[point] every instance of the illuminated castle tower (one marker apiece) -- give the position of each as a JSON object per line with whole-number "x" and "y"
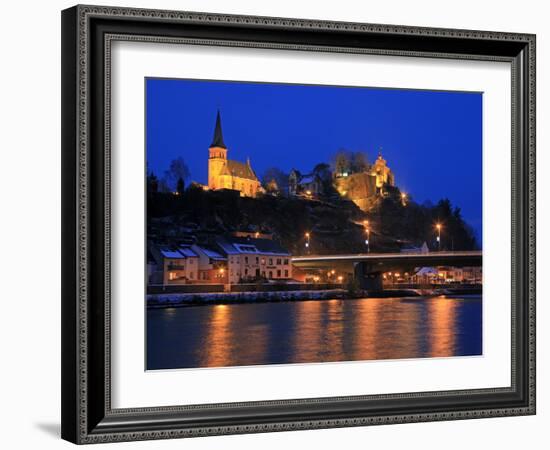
{"x": 363, "y": 188}
{"x": 224, "y": 173}
{"x": 380, "y": 170}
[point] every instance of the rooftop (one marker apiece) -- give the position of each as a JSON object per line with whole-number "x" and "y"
{"x": 233, "y": 245}
{"x": 238, "y": 169}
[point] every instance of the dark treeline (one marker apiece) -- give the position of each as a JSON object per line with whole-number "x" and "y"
{"x": 335, "y": 225}
{"x": 410, "y": 223}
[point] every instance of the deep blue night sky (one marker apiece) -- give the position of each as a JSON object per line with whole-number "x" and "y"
{"x": 432, "y": 140}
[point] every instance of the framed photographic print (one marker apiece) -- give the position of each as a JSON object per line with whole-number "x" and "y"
{"x": 282, "y": 224}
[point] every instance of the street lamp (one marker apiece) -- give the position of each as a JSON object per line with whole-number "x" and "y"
{"x": 438, "y": 227}
{"x": 307, "y": 242}
{"x": 403, "y": 198}
{"x": 367, "y": 231}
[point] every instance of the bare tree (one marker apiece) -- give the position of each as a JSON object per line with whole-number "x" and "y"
{"x": 280, "y": 177}
{"x": 345, "y": 161}
{"x": 152, "y": 182}
{"x": 180, "y": 186}
{"x": 342, "y": 162}
{"x": 359, "y": 162}
{"x": 177, "y": 169}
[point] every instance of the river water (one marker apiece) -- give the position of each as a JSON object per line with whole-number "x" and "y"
{"x": 313, "y": 331}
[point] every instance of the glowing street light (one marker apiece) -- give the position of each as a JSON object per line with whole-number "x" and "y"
{"x": 403, "y": 198}
{"x": 340, "y": 278}
{"x": 438, "y": 227}
{"x": 307, "y": 242}
{"x": 368, "y": 240}
{"x": 367, "y": 231}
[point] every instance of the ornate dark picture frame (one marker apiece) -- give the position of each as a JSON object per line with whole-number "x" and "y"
{"x": 87, "y": 33}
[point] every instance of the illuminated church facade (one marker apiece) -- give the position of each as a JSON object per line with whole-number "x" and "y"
{"x": 225, "y": 173}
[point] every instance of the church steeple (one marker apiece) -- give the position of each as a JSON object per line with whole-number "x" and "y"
{"x": 217, "y": 141}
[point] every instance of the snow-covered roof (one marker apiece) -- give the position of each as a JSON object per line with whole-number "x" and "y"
{"x": 187, "y": 252}
{"x": 420, "y": 248}
{"x": 239, "y": 245}
{"x": 227, "y": 247}
{"x": 246, "y": 248}
{"x": 170, "y": 253}
{"x": 212, "y": 254}
{"x": 309, "y": 178}
{"x": 427, "y": 271}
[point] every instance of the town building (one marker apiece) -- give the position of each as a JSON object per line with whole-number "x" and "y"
{"x": 473, "y": 275}
{"x": 174, "y": 265}
{"x": 307, "y": 185}
{"x": 212, "y": 265}
{"x": 226, "y": 260}
{"x": 442, "y": 275}
{"x": 415, "y": 248}
{"x": 250, "y": 259}
{"x": 225, "y": 173}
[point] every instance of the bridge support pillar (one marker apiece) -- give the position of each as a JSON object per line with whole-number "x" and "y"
{"x": 368, "y": 280}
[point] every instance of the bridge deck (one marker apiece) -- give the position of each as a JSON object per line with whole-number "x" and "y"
{"x": 386, "y": 261}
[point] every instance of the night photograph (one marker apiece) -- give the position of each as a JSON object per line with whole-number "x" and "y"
{"x": 295, "y": 223}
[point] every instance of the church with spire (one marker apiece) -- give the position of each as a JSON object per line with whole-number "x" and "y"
{"x": 225, "y": 173}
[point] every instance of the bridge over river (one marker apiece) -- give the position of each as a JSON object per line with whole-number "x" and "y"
{"x": 368, "y": 267}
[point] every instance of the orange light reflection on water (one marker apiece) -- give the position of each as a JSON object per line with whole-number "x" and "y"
{"x": 307, "y": 334}
{"x": 218, "y": 342}
{"x": 323, "y": 331}
{"x": 224, "y": 345}
{"x": 442, "y": 313}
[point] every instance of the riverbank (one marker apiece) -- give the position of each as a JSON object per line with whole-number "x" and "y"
{"x": 175, "y": 300}
{"x": 155, "y": 301}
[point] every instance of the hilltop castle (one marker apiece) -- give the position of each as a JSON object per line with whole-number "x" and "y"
{"x": 362, "y": 188}
{"x": 225, "y": 173}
